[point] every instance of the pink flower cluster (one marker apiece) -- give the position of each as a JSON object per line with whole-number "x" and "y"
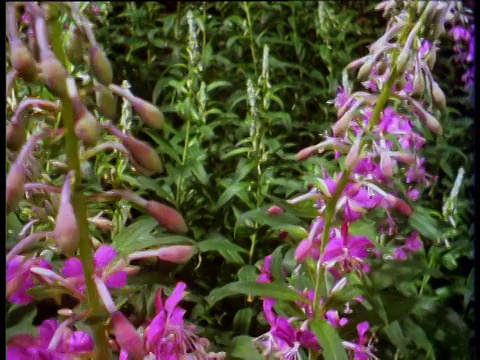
{"x": 465, "y": 51}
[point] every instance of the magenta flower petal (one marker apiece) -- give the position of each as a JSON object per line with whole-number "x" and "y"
{"x": 72, "y": 267}
{"x": 175, "y": 297}
{"x": 104, "y": 256}
{"x": 116, "y": 280}
{"x": 79, "y": 341}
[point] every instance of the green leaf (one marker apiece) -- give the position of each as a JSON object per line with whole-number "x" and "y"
{"x": 243, "y": 320}
{"x": 20, "y": 320}
{"x": 243, "y": 348}
{"x": 329, "y": 340}
{"x": 224, "y": 247}
{"x": 252, "y": 288}
{"x": 136, "y": 236}
{"x": 230, "y": 192}
{"x": 395, "y": 334}
{"x": 425, "y": 224}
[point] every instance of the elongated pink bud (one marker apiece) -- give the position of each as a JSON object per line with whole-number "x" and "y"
{"x": 400, "y": 205}
{"x": 74, "y": 49}
{"x": 106, "y": 102}
{"x": 87, "y": 126}
{"x": 429, "y": 120}
{"x": 101, "y": 67}
{"x": 15, "y": 135}
{"x": 22, "y": 60}
{"x": 343, "y": 123}
{"x": 15, "y": 186}
{"x": 275, "y": 210}
{"x": 149, "y": 113}
{"x": 177, "y": 254}
{"x": 168, "y": 217}
{"x": 386, "y": 165}
{"x": 55, "y": 75}
{"x": 306, "y": 153}
{"x": 353, "y": 155}
{"x": 127, "y": 336}
{"x": 403, "y": 157}
{"x": 438, "y": 96}
{"x": 66, "y": 228}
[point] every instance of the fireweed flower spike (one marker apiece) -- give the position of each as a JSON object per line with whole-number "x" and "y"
{"x": 398, "y": 67}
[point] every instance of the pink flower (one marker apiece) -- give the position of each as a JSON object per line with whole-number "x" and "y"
{"x": 168, "y": 336}
{"x": 412, "y": 242}
{"x": 48, "y": 347}
{"x": 399, "y": 254}
{"x": 348, "y": 251}
{"x": 105, "y": 254}
{"x": 20, "y": 279}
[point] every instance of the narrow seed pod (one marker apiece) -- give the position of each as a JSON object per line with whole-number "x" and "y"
{"x": 166, "y": 216}
{"x": 438, "y": 96}
{"x": 306, "y": 153}
{"x": 106, "y": 102}
{"x": 126, "y": 335}
{"x": 66, "y": 230}
{"x": 75, "y": 46}
{"x": 15, "y": 186}
{"x": 149, "y": 113}
{"x": 101, "y": 67}
{"x": 177, "y": 254}
{"x": 15, "y": 135}
{"x": 55, "y": 75}
{"x": 22, "y": 60}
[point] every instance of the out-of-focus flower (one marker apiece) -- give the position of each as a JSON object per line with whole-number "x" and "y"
{"x": 20, "y": 279}
{"x": 104, "y": 255}
{"x": 48, "y": 346}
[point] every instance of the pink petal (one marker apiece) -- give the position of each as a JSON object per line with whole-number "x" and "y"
{"x": 175, "y": 297}
{"x": 116, "y": 280}
{"x": 104, "y": 256}
{"x": 72, "y": 267}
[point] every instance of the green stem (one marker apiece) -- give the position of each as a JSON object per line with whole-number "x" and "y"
{"x": 80, "y": 209}
{"x": 250, "y": 31}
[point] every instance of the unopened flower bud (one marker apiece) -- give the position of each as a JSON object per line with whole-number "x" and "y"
{"x": 101, "y": 67}
{"x": 15, "y": 135}
{"x": 74, "y": 49}
{"x": 353, "y": 154}
{"x": 429, "y": 120}
{"x": 126, "y": 335}
{"x": 431, "y": 58}
{"x": 365, "y": 70}
{"x": 149, "y": 113}
{"x": 381, "y": 67}
{"x": 15, "y": 186}
{"x": 168, "y": 217}
{"x": 107, "y": 103}
{"x": 22, "y": 60}
{"x": 403, "y": 157}
{"x": 343, "y": 123}
{"x": 386, "y": 165}
{"x": 55, "y": 75}
{"x": 438, "y": 96}
{"x": 306, "y": 153}
{"x": 142, "y": 154}
{"x": 87, "y": 127}
{"x": 177, "y": 254}
{"x": 402, "y": 60}
{"x": 66, "y": 228}
{"x": 418, "y": 83}
{"x": 400, "y": 205}
{"x": 275, "y": 210}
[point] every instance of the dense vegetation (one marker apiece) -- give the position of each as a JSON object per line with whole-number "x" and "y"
{"x": 245, "y": 86}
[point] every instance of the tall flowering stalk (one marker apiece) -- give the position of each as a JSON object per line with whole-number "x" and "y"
{"x": 88, "y": 269}
{"x": 377, "y": 141}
